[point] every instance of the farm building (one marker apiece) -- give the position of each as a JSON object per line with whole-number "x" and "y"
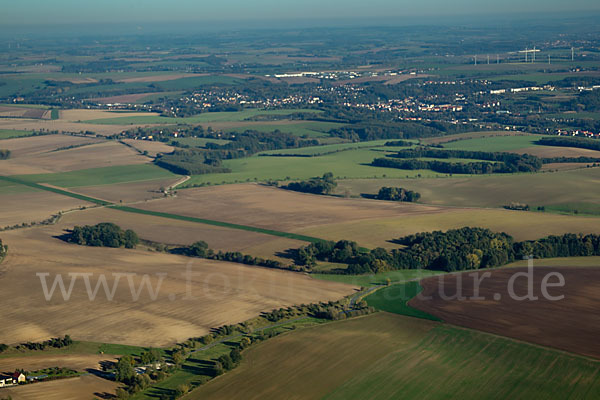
{"x": 5, "y": 380}
{"x": 18, "y": 377}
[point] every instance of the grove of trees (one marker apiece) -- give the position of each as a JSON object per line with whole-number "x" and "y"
{"x": 104, "y": 234}
{"x": 4, "y": 154}
{"x": 397, "y": 194}
{"x": 323, "y": 185}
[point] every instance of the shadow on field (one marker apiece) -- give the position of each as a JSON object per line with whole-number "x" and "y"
{"x": 65, "y": 236}
{"x": 104, "y": 395}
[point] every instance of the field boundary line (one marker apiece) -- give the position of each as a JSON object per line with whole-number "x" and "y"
{"x": 287, "y": 235}
{"x": 222, "y": 224}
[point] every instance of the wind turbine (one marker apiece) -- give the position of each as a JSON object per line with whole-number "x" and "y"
{"x": 532, "y": 51}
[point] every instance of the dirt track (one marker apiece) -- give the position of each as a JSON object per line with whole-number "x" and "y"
{"x": 571, "y": 324}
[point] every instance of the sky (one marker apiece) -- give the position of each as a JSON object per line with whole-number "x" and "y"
{"x": 35, "y": 12}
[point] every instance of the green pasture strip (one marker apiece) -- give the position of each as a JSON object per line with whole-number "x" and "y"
{"x": 395, "y": 299}
{"x": 55, "y": 190}
{"x": 287, "y": 235}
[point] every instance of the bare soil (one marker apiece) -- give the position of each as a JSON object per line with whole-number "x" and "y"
{"x": 571, "y": 324}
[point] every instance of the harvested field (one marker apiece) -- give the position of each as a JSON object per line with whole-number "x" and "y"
{"x": 98, "y": 155}
{"x": 217, "y": 293}
{"x": 29, "y": 146}
{"x": 128, "y": 192}
{"x": 77, "y": 80}
{"x": 386, "y": 79}
{"x": 570, "y": 324}
{"x": 123, "y": 99}
{"x": 521, "y": 225}
{"x": 33, "y": 206}
{"x": 64, "y": 126}
{"x": 383, "y": 356}
{"x": 555, "y": 151}
{"x": 78, "y": 362}
{"x": 564, "y": 166}
{"x": 272, "y": 208}
{"x": 84, "y": 114}
{"x": 469, "y": 135}
{"x": 570, "y": 189}
{"x": 171, "y": 231}
{"x": 153, "y": 148}
{"x": 16, "y": 112}
{"x": 160, "y": 78}
{"x": 84, "y": 387}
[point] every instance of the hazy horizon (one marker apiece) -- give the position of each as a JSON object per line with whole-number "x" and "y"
{"x": 40, "y": 12}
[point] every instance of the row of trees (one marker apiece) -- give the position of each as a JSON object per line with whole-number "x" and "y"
{"x": 454, "y": 250}
{"x": 201, "y": 249}
{"x": 472, "y": 168}
{"x": 323, "y": 185}
{"x": 4, "y": 154}
{"x": 57, "y": 343}
{"x": 397, "y": 194}
{"x": 569, "y": 141}
{"x": 492, "y": 162}
{"x": 104, "y": 234}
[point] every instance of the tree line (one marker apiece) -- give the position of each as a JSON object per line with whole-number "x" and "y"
{"x": 200, "y": 249}
{"x": 454, "y": 250}
{"x": 570, "y": 141}
{"x": 104, "y": 234}
{"x": 494, "y": 162}
{"x": 322, "y": 185}
{"x": 57, "y": 343}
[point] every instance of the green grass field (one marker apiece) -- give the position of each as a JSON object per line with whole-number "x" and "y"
{"x": 578, "y": 115}
{"x": 328, "y": 148}
{"x": 495, "y": 143}
{"x": 196, "y": 369}
{"x": 224, "y": 116}
{"x": 19, "y": 105}
{"x": 346, "y": 164}
{"x": 386, "y": 356}
{"x": 377, "y": 279}
{"x": 10, "y": 133}
{"x": 394, "y": 298}
{"x": 54, "y": 114}
{"x": 78, "y": 348}
{"x": 312, "y": 129}
{"x": 101, "y": 176}
{"x": 199, "y": 142}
